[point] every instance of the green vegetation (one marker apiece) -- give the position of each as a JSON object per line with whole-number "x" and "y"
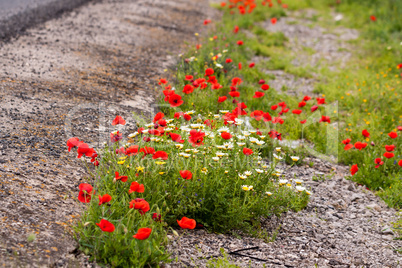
{"x": 230, "y": 187}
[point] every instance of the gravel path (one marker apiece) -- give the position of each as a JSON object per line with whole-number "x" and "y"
{"x": 70, "y": 77}
{"x": 344, "y": 225}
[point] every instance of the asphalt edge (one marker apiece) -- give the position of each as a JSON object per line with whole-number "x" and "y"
{"x": 19, "y": 23}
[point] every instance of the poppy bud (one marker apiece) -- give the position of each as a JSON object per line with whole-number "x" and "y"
{"x": 175, "y": 233}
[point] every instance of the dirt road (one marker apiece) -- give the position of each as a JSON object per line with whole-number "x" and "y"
{"x": 64, "y": 78}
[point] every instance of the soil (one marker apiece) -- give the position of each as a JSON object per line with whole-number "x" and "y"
{"x": 70, "y": 77}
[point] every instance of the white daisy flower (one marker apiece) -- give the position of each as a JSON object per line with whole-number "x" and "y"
{"x": 223, "y": 129}
{"x": 295, "y": 158}
{"x": 300, "y": 188}
{"x": 248, "y": 173}
{"x": 242, "y": 176}
{"x": 283, "y": 182}
{"x": 179, "y": 145}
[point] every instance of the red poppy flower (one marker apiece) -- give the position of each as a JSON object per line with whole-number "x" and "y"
{"x": 251, "y": 65}
{"x": 162, "y": 81}
{"x": 85, "y": 193}
{"x": 147, "y": 150}
{"x": 234, "y": 94}
{"x": 236, "y": 81}
{"x": 296, "y": 111}
{"x": 175, "y": 100}
{"x": 186, "y": 174}
{"x": 282, "y": 104}
{"x": 72, "y": 142}
{"x": 390, "y": 148}
{"x": 247, "y": 151}
{"x": 275, "y": 135}
{"x": 393, "y": 135}
{"x": 209, "y": 72}
{"x": 365, "y": 133}
{"x": 399, "y": 128}
{"x": 118, "y": 120}
{"x": 136, "y": 187}
{"x": 140, "y": 204}
{"x": 222, "y": 99}
{"x": 187, "y": 117}
{"x": 216, "y": 86}
{"x": 379, "y": 162}
{"x": 240, "y": 42}
{"x": 257, "y": 115}
{"x": 178, "y": 114}
{"x": 360, "y": 145}
{"x": 240, "y": 65}
{"x": 325, "y": 119}
{"x": 321, "y": 101}
{"x": 176, "y": 137}
{"x": 160, "y": 154}
{"x": 307, "y": 98}
{"x": 196, "y": 138}
{"x": 188, "y": 89}
{"x": 277, "y": 120}
{"x": 158, "y": 116}
{"x": 400, "y": 163}
{"x": 106, "y": 226}
{"x": 258, "y": 94}
{"x": 261, "y": 82}
{"x": 104, "y": 199}
{"x": 132, "y": 150}
{"x": 168, "y": 93}
{"x": 274, "y": 20}
{"x": 188, "y": 77}
{"x": 348, "y": 147}
{"x": 236, "y": 29}
{"x": 208, "y": 122}
{"x": 118, "y": 177}
{"x": 157, "y": 217}
{"x": 143, "y": 233}
{"x": 83, "y": 149}
{"x": 154, "y": 132}
{"x": 229, "y": 60}
{"x": 302, "y": 104}
{"x": 373, "y": 18}
{"x": 388, "y": 155}
{"x": 347, "y": 141}
{"x": 207, "y": 22}
{"x": 354, "y": 169}
{"x": 314, "y": 108}
{"x": 226, "y": 135}
{"x": 303, "y": 121}
{"x": 187, "y": 223}
{"x": 162, "y": 122}
{"x": 267, "y": 117}
{"x": 274, "y": 107}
